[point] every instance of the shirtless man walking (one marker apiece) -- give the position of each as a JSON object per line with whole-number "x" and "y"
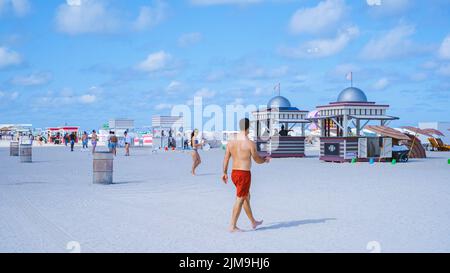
{"x": 242, "y": 150}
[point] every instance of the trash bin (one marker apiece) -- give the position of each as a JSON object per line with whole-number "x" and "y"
{"x": 14, "y": 148}
{"x": 103, "y": 168}
{"x": 25, "y": 153}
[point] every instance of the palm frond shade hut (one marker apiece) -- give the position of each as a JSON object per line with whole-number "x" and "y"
{"x": 342, "y": 123}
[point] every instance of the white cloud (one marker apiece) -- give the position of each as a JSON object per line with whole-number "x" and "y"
{"x": 99, "y": 16}
{"x": 392, "y": 44}
{"x": 174, "y": 86}
{"x": 163, "y": 106}
{"x": 320, "y": 48}
{"x": 9, "y": 57}
{"x": 216, "y": 75}
{"x": 224, "y": 2}
{"x": 32, "y": 79}
{"x": 66, "y": 97}
{"x": 189, "y": 39}
{"x": 157, "y": 61}
{"x": 74, "y": 2}
{"x": 253, "y": 71}
{"x": 324, "y": 16}
{"x": 87, "y": 99}
{"x": 150, "y": 16}
{"x": 373, "y": 2}
{"x": 237, "y": 101}
{"x": 205, "y": 93}
{"x": 86, "y": 16}
{"x": 444, "y": 70}
{"x": 20, "y": 8}
{"x": 11, "y": 96}
{"x": 418, "y": 76}
{"x": 444, "y": 50}
{"x": 381, "y": 84}
{"x": 429, "y": 65}
{"x": 388, "y": 7}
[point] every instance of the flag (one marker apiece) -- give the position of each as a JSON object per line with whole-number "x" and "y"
{"x": 277, "y": 88}
{"x": 349, "y": 76}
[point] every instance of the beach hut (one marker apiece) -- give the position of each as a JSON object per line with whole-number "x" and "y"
{"x": 342, "y": 124}
{"x": 274, "y": 125}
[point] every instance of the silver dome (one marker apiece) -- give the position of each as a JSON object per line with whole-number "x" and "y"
{"x": 352, "y": 94}
{"x": 279, "y": 102}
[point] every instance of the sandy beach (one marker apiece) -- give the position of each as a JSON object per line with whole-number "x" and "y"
{"x": 156, "y": 206}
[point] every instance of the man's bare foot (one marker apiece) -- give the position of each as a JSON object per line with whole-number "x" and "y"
{"x": 235, "y": 229}
{"x": 256, "y": 224}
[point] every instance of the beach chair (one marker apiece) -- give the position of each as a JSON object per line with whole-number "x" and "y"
{"x": 442, "y": 146}
{"x": 434, "y": 144}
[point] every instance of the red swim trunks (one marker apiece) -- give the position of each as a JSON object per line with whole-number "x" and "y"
{"x": 242, "y": 181}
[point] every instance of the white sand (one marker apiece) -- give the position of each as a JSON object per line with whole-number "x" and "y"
{"x": 156, "y": 206}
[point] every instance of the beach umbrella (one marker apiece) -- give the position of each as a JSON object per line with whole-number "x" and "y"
{"x": 417, "y": 131}
{"x": 413, "y": 149}
{"x": 432, "y": 131}
{"x": 387, "y": 131}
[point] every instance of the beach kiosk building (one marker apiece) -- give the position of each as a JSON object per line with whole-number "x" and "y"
{"x": 269, "y": 122}
{"x": 342, "y": 123}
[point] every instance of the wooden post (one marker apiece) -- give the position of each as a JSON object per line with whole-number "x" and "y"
{"x": 412, "y": 146}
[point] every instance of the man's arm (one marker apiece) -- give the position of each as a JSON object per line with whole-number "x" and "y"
{"x": 226, "y": 161}
{"x": 256, "y": 157}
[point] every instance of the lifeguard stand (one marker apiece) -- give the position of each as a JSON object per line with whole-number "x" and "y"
{"x": 268, "y": 125}
{"x": 341, "y": 125}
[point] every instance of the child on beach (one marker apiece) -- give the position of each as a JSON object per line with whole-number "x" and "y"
{"x": 241, "y": 149}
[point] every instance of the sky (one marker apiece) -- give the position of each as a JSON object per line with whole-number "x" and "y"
{"x": 83, "y": 62}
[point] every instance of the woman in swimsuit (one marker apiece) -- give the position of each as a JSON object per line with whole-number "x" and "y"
{"x": 195, "y": 155}
{"x": 94, "y": 139}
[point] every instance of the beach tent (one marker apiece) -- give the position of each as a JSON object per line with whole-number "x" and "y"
{"x": 413, "y": 143}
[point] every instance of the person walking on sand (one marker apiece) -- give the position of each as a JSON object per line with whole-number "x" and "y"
{"x": 72, "y": 138}
{"x": 196, "y": 160}
{"x": 84, "y": 140}
{"x": 127, "y": 139}
{"x": 241, "y": 150}
{"x": 94, "y": 139}
{"x": 113, "y": 140}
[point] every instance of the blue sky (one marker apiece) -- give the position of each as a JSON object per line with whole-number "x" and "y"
{"x": 82, "y": 62}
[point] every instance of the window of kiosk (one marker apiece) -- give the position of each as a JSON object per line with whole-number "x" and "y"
{"x": 373, "y": 147}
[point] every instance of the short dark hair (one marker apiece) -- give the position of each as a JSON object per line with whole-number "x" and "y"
{"x": 244, "y": 124}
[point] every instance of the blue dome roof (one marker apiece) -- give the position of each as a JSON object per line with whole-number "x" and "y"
{"x": 279, "y": 102}
{"x": 352, "y": 94}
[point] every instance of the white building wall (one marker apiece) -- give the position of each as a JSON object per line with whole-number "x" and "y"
{"x": 441, "y": 126}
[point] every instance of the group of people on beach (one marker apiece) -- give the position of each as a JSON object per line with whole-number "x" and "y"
{"x": 241, "y": 150}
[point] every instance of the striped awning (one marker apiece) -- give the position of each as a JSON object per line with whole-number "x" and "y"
{"x": 417, "y": 130}
{"x": 433, "y": 132}
{"x": 387, "y": 131}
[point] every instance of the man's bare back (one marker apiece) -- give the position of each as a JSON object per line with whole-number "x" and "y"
{"x": 242, "y": 150}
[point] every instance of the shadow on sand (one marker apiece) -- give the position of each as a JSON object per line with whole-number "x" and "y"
{"x": 128, "y": 182}
{"x": 208, "y": 174}
{"x": 291, "y": 224}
